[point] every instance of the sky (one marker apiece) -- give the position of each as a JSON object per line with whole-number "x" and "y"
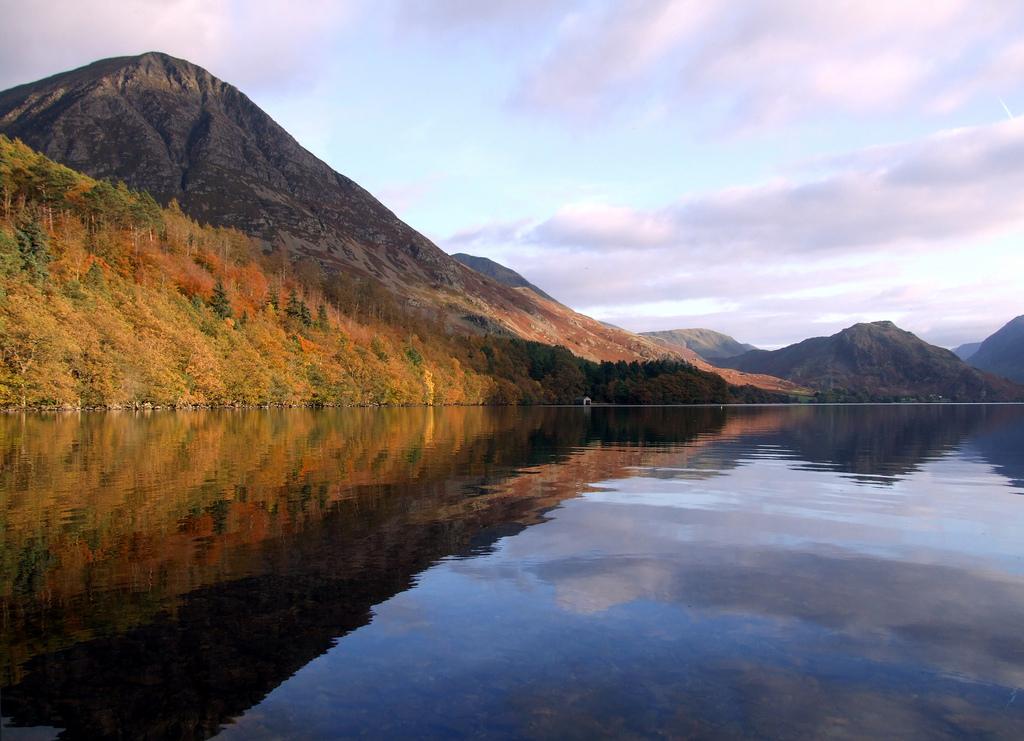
{"x": 773, "y": 170}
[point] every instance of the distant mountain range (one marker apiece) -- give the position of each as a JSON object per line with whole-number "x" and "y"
{"x": 965, "y": 351}
{"x": 709, "y": 344}
{"x": 505, "y": 276}
{"x": 878, "y": 360}
{"x": 1003, "y": 352}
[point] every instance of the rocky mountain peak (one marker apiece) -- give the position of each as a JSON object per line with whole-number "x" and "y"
{"x": 170, "y": 127}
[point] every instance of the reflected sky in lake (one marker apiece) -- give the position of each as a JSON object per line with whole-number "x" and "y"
{"x": 774, "y": 572}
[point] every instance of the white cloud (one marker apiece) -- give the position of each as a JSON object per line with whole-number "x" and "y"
{"x": 448, "y": 14}
{"x": 770, "y": 61}
{"x": 488, "y": 235}
{"x": 600, "y": 50}
{"x": 598, "y": 224}
{"x": 964, "y": 183}
{"x": 255, "y": 45}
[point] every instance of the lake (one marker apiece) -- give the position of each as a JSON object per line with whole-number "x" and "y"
{"x": 773, "y": 572}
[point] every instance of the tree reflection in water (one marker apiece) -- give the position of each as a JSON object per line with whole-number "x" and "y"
{"x": 162, "y": 572}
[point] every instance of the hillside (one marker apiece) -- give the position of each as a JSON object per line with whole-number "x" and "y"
{"x": 878, "y": 361}
{"x": 505, "y": 276}
{"x": 966, "y": 350}
{"x": 707, "y": 343}
{"x": 674, "y": 350}
{"x": 107, "y": 299}
{"x": 170, "y": 128}
{"x": 1003, "y": 352}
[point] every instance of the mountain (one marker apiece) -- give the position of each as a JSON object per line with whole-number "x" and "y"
{"x": 965, "y": 351}
{"x": 109, "y": 300}
{"x": 878, "y": 361}
{"x": 169, "y": 127}
{"x": 497, "y": 271}
{"x": 1003, "y": 352}
{"x": 707, "y": 343}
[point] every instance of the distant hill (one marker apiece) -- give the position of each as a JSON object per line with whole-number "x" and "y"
{"x": 707, "y": 343}
{"x": 1003, "y": 352}
{"x": 965, "y": 351}
{"x": 705, "y": 338}
{"x": 878, "y": 361}
{"x": 497, "y": 271}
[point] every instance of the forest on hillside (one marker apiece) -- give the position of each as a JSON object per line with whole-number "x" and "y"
{"x": 109, "y": 300}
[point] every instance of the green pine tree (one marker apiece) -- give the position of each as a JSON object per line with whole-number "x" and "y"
{"x": 94, "y": 277}
{"x": 34, "y": 247}
{"x": 294, "y": 307}
{"x": 10, "y": 254}
{"x": 219, "y": 301}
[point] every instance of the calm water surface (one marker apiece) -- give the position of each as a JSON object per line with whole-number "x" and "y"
{"x": 769, "y": 572}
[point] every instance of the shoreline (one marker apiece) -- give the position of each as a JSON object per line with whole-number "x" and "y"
{"x": 278, "y": 406}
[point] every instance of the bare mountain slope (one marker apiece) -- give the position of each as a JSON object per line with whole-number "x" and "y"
{"x": 497, "y": 271}
{"x": 709, "y": 344}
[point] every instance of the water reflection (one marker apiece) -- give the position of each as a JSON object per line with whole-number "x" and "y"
{"x": 768, "y": 571}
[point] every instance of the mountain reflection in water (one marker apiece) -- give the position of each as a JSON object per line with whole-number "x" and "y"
{"x": 772, "y": 571}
